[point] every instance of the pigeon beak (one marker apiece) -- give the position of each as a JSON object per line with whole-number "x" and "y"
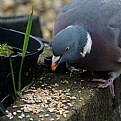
{"x": 55, "y": 62}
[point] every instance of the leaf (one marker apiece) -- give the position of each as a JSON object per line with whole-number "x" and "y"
{"x": 25, "y": 45}
{"x": 28, "y": 30}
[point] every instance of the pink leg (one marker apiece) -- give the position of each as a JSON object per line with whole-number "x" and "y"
{"x": 106, "y": 83}
{"x": 109, "y": 82}
{"x": 111, "y": 87}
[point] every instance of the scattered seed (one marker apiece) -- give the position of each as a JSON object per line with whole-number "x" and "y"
{"x": 58, "y": 119}
{"x": 70, "y": 104}
{"x": 14, "y": 113}
{"x": 7, "y": 111}
{"x": 65, "y": 82}
{"x": 9, "y": 114}
{"x": 11, "y": 117}
{"x": 46, "y": 106}
{"x": 46, "y": 115}
{"x": 51, "y": 109}
{"x": 64, "y": 101}
{"x": 26, "y": 111}
{"x": 23, "y": 115}
{"x": 72, "y": 98}
{"x": 22, "y": 108}
{"x": 64, "y": 115}
{"x": 14, "y": 106}
{"x": 19, "y": 111}
{"x": 65, "y": 108}
{"x": 52, "y": 119}
{"x": 41, "y": 100}
{"x": 41, "y": 116}
{"x": 28, "y": 116}
{"x": 31, "y": 119}
{"x": 66, "y": 112}
{"x": 20, "y": 117}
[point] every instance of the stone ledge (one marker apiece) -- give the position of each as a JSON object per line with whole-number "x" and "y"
{"x": 96, "y": 106}
{"x": 90, "y": 104}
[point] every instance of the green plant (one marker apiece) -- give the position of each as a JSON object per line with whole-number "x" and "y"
{"x": 24, "y": 50}
{"x": 25, "y": 45}
{"x": 5, "y": 50}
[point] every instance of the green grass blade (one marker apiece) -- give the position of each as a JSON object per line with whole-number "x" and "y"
{"x": 28, "y": 30}
{"x": 5, "y": 98}
{"x": 25, "y": 45}
{"x": 27, "y": 86}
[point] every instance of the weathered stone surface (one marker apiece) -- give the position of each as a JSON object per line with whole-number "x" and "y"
{"x": 65, "y": 97}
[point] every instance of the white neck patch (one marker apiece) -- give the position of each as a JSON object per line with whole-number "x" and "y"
{"x": 69, "y": 26}
{"x": 87, "y": 47}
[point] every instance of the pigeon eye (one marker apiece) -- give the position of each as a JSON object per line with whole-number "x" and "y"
{"x": 67, "y": 48}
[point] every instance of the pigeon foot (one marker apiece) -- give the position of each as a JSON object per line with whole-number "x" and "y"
{"x": 105, "y": 84}
{"x": 108, "y": 83}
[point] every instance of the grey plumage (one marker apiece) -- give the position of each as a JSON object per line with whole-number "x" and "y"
{"x": 87, "y": 35}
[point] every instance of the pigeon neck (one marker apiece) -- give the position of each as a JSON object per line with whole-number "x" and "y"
{"x": 86, "y": 25}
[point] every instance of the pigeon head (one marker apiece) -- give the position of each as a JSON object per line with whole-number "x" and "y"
{"x": 70, "y": 44}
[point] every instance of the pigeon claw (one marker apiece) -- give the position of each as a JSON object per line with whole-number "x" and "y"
{"x": 105, "y": 84}
{"x": 111, "y": 87}
{"x": 100, "y": 80}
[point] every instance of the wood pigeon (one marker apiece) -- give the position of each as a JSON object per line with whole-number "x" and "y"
{"x": 87, "y": 36}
